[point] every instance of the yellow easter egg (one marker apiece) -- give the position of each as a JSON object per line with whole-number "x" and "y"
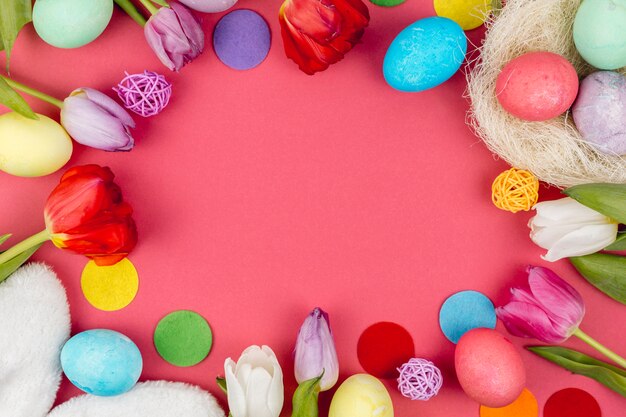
{"x": 361, "y": 395}
{"x": 469, "y": 14}
{"x": 32, "y": 148}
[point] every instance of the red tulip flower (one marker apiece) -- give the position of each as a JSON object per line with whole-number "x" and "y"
{"x": 318, "y": 33}
{"x": 85, "y": 214}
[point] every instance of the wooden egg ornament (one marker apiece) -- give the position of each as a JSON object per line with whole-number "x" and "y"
{"x": 600, "y": 33}
{"x": 469, "y": 14}
{"x": 425, "y": 54}
{"x": 71, "y": 23}
{"x": 537, "y": 86}
{"x": 32, "y": 148}
{"x": 361, "y": 395}
{"x": 489, "y": 368}
{"x": 599, "y": 112}
{"x": 101, "y": 362}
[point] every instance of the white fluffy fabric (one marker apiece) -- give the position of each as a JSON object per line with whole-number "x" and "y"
{"x": 147, "y": 399}
{"x": 34, "y": 325}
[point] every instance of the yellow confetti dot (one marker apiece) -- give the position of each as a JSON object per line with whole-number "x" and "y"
{"x": 524, "y": 406}
{"x": 110, "y": 288}
{"x": 469, "y": 14}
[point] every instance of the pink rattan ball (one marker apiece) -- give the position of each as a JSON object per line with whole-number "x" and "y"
{"x": 145, "y": 94}
{"x": 419, "y": 379}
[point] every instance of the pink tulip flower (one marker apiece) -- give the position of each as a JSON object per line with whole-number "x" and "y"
{"x": 550, "y": 312}
{"x": 174, "y": 35}
{"x": 94, "y": 119}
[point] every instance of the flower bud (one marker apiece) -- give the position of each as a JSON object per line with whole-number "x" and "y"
{"x": 315, "y": 351}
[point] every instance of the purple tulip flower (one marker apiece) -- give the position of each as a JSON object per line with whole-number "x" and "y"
{"x": 550, "y": 312}
{"x": 175, "y": 36}
{"x": 315, "y": 351}
{"x": 94, "y": 119}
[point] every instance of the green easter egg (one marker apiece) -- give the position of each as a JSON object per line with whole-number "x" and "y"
{"x": 599, "y": 33}
{"x": 71, "y": 23}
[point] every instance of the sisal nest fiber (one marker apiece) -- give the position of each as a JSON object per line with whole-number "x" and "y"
{"x": 553, "y": 150}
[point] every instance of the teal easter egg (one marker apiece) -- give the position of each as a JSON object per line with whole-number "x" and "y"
{"x": 600, "y": 33}
{"x": 425, "y": 54}
{"x": 101, "y": 362}
{"x": 71, "y": 23}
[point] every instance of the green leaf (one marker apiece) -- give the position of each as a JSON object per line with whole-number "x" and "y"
{"x": 221, "y": 382}
{"x": 15, "y": 14}
{"x": 608, "y": 375}
{"x": 4, "y": 238}
{"x": 604, "y": 271}
{"x": 11, "y": 265}
{"x": 10, "y": 98}
{"x": 161, "y": 3}
{"x": 305, "y": 398}
{"x": 619, "y": 244}
{"x": 608, "y": 199}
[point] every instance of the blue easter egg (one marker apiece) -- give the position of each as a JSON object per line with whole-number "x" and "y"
{"x": 101, "y": 362}
{"x": 425, "y": 54}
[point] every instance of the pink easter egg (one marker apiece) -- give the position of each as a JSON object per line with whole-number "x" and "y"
{"x": 537, "y": 86}
{"x": 489, "y": 368}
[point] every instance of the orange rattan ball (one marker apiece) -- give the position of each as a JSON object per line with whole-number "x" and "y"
{"x": 515, "y": 190}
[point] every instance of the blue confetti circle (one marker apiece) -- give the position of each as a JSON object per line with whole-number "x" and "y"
{"x": 464, "y": 311}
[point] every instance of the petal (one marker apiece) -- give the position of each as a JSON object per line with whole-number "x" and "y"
{"x": 584, "y": 241}
{"x": 109, "y": 105}
{"x": 566, "y": 211}
{"x": 546, "y": 237}
{"x": 236, "y": 395}
{"x": 257, "y": 393}
{"x": 191, "y": 28}
{"x": 563, "y": 303}
{"x": 255, "y": 357}
{"x": 527, "y": 320}
{"x": 155, "y": 42}
{"x": 276, "y": 395}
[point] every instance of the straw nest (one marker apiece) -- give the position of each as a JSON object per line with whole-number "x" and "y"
{"x": 552, "y": 150}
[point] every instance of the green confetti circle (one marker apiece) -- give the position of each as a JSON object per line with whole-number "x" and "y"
{"x": 183, "y": 338}
{"x": 387, "y": 3}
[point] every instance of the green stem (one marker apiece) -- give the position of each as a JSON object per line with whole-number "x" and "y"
{"x": 132, "y": 11}
{"x": 600, "y": 348}
{"x": 25, "y": 244}
{"x": 149, "y": 6}
{"x": 32, "y": 92}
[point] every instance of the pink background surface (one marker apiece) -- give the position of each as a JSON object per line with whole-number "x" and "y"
{"x": 262, "y": 194}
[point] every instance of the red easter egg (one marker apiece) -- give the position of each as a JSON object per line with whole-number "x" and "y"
{"x": 537, "y": 86}
{"x": 489, "y": 368}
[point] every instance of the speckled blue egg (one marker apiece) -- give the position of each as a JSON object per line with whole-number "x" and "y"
{"x": 425, "y": 54}
{"x": 101, "y": 362}
{"x": 71, "y": 23}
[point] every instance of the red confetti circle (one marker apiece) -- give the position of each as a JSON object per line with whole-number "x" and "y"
{"x": 383, "y": 347}
{"x": 572, "y": 402}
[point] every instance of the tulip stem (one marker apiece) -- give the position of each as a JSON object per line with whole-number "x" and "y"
{"x": 149, "y": 6}
{"x": 32, "y": 92}
{"x": 600, "y": 348}
{"x": 131, "y": 11}
{"x": 24, "y": 245}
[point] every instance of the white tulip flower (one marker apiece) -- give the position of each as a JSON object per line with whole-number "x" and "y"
{"x": 567, "y": 228}
{"x": 255, "y": 384}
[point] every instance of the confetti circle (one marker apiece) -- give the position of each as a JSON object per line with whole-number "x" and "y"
{"x": 242, "y": 39}
{"x": 110, "y": 288}
{"x": 387, "y": 3}
{"x": 383, "y": 347}
{"x": 524, "y": 406}
{"x": 464, "y": 311}
{"x": 183, "y": 338}
{"x": 571, "y": 402}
